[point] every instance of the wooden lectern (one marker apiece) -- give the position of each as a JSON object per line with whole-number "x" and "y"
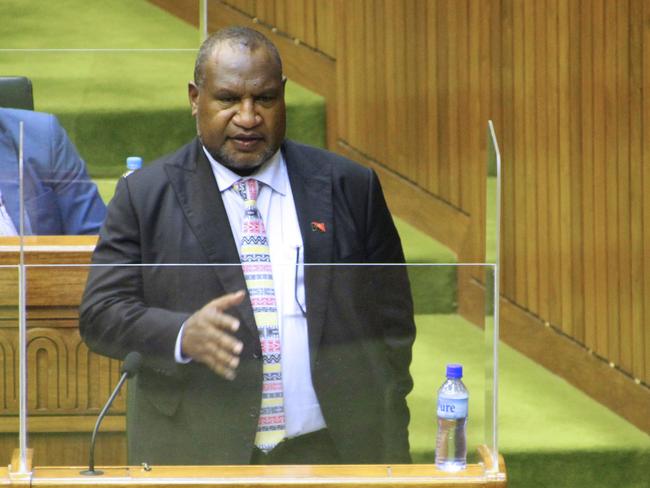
{"x": 299, "y": 476}
{"x": 68, "y": 385}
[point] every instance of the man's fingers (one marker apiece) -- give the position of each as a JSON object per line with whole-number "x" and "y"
{"x": 223, "y": 341}
{"x": 228, "y": 300}
{"x": 221, "y": 362}
{"x": 209, "y": 339}
{"x": 209, "y": 335}
{"x": 215, "y": 311}
{"x": 216, "y": 349}
{"x": 223, "y": 321}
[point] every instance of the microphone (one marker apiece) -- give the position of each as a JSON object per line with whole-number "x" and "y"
{"x": 130, "y": 368}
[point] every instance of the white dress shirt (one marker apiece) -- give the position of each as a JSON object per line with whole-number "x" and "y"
{"x": 7, "y": 227}
{"x": 277, "y": 209}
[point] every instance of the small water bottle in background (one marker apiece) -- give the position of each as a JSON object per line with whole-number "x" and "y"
{"x": 133, "y": 163}
{"x": 451, "y": 445}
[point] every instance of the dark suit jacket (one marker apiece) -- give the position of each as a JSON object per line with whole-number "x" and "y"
{"x": 360, "y": 320}
{"x": 60, "y": 197}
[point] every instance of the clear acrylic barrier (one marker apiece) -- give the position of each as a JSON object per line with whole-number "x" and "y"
{"x": 364, "y": 308}
{"x": 492, "y": 286}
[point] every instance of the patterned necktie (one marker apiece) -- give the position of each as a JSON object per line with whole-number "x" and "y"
{"x": 256, "y": 265}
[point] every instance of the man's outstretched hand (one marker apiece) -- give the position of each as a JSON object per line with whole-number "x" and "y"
{"x": 208, "y": 336}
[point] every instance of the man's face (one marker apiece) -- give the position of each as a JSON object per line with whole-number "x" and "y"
{"x": 239, "y": 108}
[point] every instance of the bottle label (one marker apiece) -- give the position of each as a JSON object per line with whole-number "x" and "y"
{"x": 452, "y": 408}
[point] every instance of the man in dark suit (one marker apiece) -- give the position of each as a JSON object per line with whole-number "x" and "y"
{"x": 336, "y": 373}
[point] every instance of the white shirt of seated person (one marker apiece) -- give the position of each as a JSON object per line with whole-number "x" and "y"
{"x": 7, "y": 227}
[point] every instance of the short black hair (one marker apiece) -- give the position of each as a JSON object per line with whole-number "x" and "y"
{"x": 243, "y": 36}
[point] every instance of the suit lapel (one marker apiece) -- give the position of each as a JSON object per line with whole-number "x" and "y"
{"x": 194, "y": 184}
{"x": 311, "y": 185}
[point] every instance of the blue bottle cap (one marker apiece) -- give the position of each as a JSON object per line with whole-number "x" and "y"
{"x": 454, "y": 371}
{"x": 133, "y": 162}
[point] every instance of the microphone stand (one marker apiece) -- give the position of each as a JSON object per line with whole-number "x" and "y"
{"x": 130, "y": 367}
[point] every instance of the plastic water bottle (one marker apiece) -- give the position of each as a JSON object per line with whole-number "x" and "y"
{"x": 451, "y": 445}
{"x": 133, "y": 163}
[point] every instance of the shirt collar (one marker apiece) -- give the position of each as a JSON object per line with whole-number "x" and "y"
{"x": 273, "y": 173}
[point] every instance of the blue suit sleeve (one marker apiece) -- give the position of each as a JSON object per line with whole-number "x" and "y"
{"x": 81, "y": 207}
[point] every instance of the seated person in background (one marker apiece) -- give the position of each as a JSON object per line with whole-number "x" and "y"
{"x": 59, "y": 196}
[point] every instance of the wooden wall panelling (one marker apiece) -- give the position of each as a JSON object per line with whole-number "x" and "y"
{"x": 473, "y": 108}
{"x": 9, "y": 374}
{"x": 386, "y": 63}
{"x": 611, "y": 185}
{"x": 326, "y": 16}
{"x": 473, "y": 164}
{"x": 517, "y": 162}
{"x": 310, "y": 23}
{"x": 265, "y": 12}
{"x": 9, "y": 297}
{"x": 565, "y": 165}
{"x": 372, "y": 99}
{"x": 645, "y": 39}
{"x": 379, "y": 103}
{"x": 342, "y": 64}
{"x": 418, "y": 39}
{"x": 482, "y": 94}
{"x": 249, "y": 7}
{"x": 296, "y": 18}
{"x": 553, "y": 248}
{"x": 431, "y": 83}
{"x": 402, "y": 107}
{"x": 281, "y": 16}
{"x": 501, "y": 113}
{"x": 71, "y": 449}
{"x": 623, "y": 143}
{"x": 600, "y": 209}
{"x": 456, "y": 16}
{"x": 413, "y": 104}
{"x": 422, "y": 151}
{"x": 451, "y": 117}
{"x": 356, "y": 79}
{"x": 636, "y": 192}
{"x": 419, "y": 208}
{"x": 442, "y": 63}
{"x": 541, "y": 206}
{"x": 586, "y": 177}
{"x": 575, "y": 104}
{"x": 529, "y": 160}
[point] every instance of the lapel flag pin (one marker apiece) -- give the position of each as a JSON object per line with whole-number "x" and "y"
{"x": 318, "y": 227}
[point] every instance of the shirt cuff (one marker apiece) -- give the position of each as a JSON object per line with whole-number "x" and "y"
{"x": 178, "y": 355}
